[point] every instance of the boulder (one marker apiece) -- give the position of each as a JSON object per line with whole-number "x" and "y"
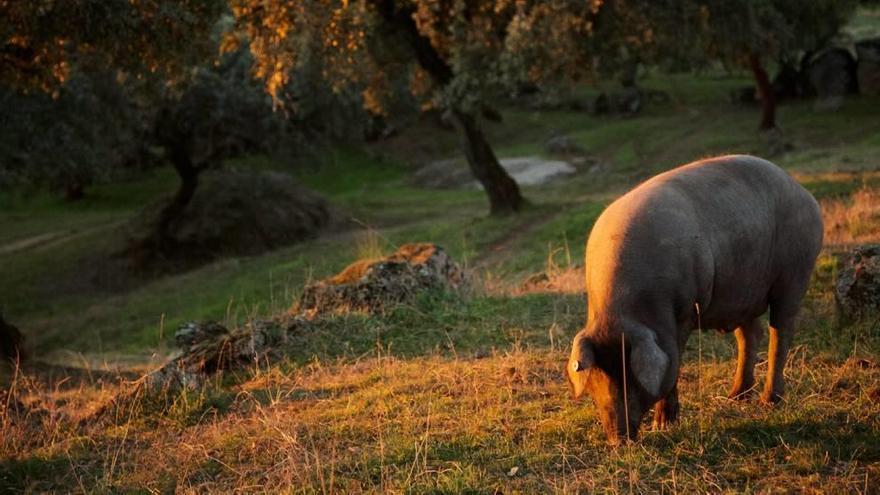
{"x": 208, "y": 347}
{"x": 868, "y": 72}
{"x": 444, "y": 174}
{"x": 857, "y": 291}
{"x": 628, "y": 100}
{"x": 562, "y": 144}
{"x": 379, "y": 285}
{"x": 525, "y": 170}
{"x": 833, "y": 76}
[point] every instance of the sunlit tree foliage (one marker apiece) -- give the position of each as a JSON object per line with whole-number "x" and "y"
{"x": 455, "y": 53}
{"x": 43, "y": 41}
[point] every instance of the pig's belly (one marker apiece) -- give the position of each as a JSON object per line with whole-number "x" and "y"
{"x": 728, "y": 311}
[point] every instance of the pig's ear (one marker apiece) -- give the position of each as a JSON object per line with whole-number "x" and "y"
{"x": 582, "y": 357}
{"x": 649, "y": 363}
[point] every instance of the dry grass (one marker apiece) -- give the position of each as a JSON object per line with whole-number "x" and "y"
{"x": 853, "y": 220}
{"x": 449, "y": 422}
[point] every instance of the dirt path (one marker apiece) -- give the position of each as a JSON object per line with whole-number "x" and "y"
{"x": 500, "y": 250}
{"x": 47, "y": 239}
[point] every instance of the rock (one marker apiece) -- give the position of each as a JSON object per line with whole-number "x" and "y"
{"x": 527, "y": 170}
{"x": 232, "y": 213}
{"x": 628, "y": 100}
{"x": 857, "y": 291}
{"x": 833, "y": 76}
{"x": 209, "y": 347}
{"x": 532, "y": 170}
{"x": 377, "y": 286}
{"x": 562, "y": 144}
{"x": 868, "y": 72}
{"x": 192, "y": 333}
{"x": 444, "y": 174}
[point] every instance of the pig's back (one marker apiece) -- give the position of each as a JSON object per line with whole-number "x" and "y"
{"x": 717, "y": 232}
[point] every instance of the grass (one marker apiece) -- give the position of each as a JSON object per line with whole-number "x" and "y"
{"x": 451, "y": 394}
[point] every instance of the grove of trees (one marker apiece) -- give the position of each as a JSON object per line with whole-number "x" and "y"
{"x": 88, "y": 85}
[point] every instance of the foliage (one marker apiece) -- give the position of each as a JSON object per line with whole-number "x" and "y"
{"x": 772, "y": 29}
{"x": 91, "y": 128}
{"x": 45, "y": 41}
{"x": 218, "y": 113}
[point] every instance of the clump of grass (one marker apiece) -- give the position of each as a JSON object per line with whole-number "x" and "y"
{"x": 853, "y": 220}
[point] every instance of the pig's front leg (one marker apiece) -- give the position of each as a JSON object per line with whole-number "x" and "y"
{"x": 666, "y": 410}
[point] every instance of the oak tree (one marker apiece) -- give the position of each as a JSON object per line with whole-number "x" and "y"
{"x": 457, "y": 54}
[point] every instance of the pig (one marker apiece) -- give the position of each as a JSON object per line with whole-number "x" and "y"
{"x": 713, "y": 243}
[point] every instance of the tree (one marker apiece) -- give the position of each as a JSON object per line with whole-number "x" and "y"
{"x": 67, "y": 57}
{"x": 456, "y": 53}
{"x": 43, "y": 41}
{"x": 220, "y": 113}
{"x": 87, "y": 131}
{"x": 752, "y": 33}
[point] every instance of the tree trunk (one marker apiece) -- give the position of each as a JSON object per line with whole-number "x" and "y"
{"x": 74, "y": 192}
{"x": 503, "y": 192}
{"x": 189, "y": 180}
{"x": 765, "y": 92}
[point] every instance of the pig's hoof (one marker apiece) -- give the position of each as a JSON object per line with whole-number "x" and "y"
{"x": 664, "y": 418}
{"x": 770, "y": 398}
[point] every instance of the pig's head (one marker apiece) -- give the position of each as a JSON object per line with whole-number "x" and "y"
{"x": 597, "y": 367}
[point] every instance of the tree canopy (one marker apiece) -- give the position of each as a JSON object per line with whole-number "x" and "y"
{"x": 454, "y": 54}
{"x": 43, "y": 41}
{"x": 753, "y": 33}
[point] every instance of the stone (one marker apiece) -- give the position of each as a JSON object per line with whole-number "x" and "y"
{"x": 857, "y": 291}
{"x": 868, "y": 72}
{"x": 833, "y": 76}
{"x": 628, "y": 100}
{"x": 378, "y": 286}
{"x": 208, "y": 347}
{"x": 192, "y": 333}
{"x": 526, "y": 170}
{"x": 562, "y": 144}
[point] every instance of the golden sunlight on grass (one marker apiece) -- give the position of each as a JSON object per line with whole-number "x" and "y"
{"x": 383, "y": 424}
{"x": 852, "y": 220}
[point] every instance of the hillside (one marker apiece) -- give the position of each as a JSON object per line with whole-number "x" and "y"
{"x": 449, "y": 394}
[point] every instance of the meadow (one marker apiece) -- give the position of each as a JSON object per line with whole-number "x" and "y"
{"x": 453, "y": 393}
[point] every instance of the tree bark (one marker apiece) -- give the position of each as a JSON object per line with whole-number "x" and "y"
{"x": 503, "y": 192}
{"x": 74, "y": 192}
{"x": 765, "y": 92}
{"x": 189, "y": 181}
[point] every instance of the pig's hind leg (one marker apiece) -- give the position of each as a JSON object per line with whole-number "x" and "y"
{"x": 748, "y": 337}
{"x": 785, "y": 301}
